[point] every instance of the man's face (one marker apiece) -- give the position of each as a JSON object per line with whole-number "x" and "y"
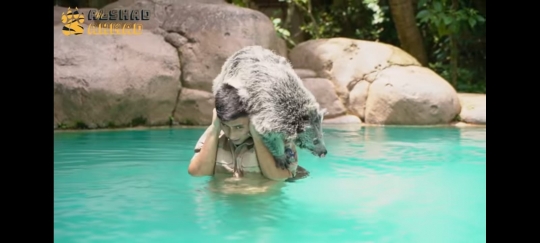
{"x": 236, "y": 130}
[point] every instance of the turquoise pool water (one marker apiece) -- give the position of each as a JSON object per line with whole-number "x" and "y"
{"x": 377, "y": 184}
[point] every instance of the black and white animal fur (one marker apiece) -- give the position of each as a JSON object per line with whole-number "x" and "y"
{"x": 281, "y": 109}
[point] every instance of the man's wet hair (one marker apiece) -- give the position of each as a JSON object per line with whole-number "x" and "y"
{"x": 228, "y": 104}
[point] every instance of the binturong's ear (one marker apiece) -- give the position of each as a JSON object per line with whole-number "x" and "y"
{"x": 323, "y": 112}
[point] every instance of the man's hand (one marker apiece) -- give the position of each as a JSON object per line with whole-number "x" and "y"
{"x": 253, "y": 131}
{"x": 203, "y": 162}
{"x": 216, "y": 122}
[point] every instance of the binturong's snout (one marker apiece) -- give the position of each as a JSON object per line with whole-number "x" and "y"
{"x": 322, "y": 153}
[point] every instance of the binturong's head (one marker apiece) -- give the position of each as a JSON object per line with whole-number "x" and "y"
{"x": 309, "y": 133}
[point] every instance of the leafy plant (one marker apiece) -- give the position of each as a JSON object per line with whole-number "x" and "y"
{"x": 447, "y": 21}
{"x": 283, "y": 32}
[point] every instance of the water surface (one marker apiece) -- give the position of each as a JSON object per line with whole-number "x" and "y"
{"x": 377, "y": 184}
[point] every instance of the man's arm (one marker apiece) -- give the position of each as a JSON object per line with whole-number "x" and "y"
{"x": 204, "y": 160}
{"x": 266, "y": 160}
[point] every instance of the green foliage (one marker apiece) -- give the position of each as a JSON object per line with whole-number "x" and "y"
{"x": 328, "y": 28}
{"x": 353, "y": 19}
{"x": 62, "y": 125}
{"x": 444, "y": 20}
{"x": 80, "y": 125}
{"x": 138, "y": 121}
{"x": 187, "y": 122}
{"x": 240, "y": 3}
{"x": 283, "y": 32}
{"x": 465, "y": 78}
{"x": 449, "y": 28}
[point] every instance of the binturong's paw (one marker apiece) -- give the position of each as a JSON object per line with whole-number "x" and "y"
{"x": 291, "y": 156}
{"x": 281, "y": 162}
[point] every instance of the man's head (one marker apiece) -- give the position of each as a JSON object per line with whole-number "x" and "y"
{"x": 230, "y": 110}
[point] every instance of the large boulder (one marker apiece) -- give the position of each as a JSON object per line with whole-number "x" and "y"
{"x": 205, "y": 34}
{"x": 194, "y": 107}
{"x": 380, "y": 83}
{"x": 305, "y": 73}
{"x": 411, "y": 95}
{"x": 322, "y": 89}
{"x": 159, "y": 9}
{"x": 345, "y": 119}
{"x": 163, "y": 75}
{"x": 473, "y": 109}
{"x": 114, "y": 80}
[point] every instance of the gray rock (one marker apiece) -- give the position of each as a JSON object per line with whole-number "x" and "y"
{"x": 114, "y": 79}
{"x": 473, "y": 109}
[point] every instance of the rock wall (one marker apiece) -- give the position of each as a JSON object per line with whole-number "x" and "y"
{"x": 164, "y": 76}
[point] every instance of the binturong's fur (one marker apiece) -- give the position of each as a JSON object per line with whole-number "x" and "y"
{"x": 281, "y": 109}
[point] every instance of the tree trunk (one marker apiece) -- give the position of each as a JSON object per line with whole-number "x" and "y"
{"x": 297, "y": 19}
{"x": 454, "y": 51}
{"x": 454, "y": 60}
{"x": 408, "y": 32}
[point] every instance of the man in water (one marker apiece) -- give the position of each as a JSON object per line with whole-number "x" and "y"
{"x": 231, "y": 145}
